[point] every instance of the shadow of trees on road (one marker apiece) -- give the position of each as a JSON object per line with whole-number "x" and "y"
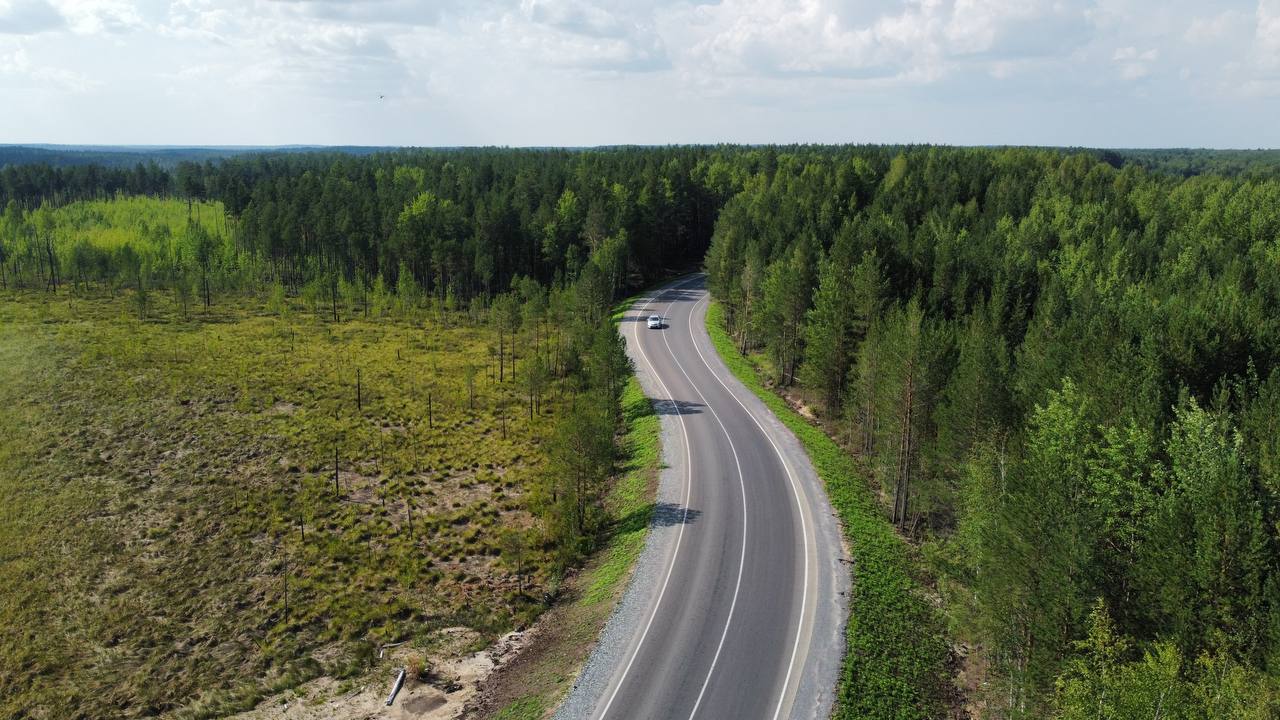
{"x": 660, "y": 514}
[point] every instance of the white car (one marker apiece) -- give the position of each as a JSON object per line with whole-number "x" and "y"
{"x": 655, "y": 322}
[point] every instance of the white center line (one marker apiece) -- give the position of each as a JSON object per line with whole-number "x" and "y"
{"x": 804, "y": 531}
{"x": 742, "y": 485}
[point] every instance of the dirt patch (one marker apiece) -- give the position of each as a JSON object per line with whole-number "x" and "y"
{"x": 972, "y": 679}
{"x": 282, "y": 407}
{"x": 553, "y": 650}
{"x": 425, "y": 704}
{"x": 452, "y": 685}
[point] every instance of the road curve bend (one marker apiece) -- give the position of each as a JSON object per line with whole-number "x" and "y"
{"x": 737, "y": 605}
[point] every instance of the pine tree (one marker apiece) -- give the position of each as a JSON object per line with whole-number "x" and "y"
{"x": 975, "y": 403}
{"x": 1033, "y": 555}
{"x": 408, "y": 292}
{"x": 846, "y": 301}
{"x": 900, "y": 401}
{"x": 1208, "y": 564}
{"x": 784, "y": 302}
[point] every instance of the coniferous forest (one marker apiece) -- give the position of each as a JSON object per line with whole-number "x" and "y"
{"x": 1061, "y": 378}
{"x": 1058, "y": 372}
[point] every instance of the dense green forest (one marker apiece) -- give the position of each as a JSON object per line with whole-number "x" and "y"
{"x": 167, "y": 157}
{"x": 1063, "y": 378}
{"x": 1059, "y": 371}
{"x": 1243, "y": 163}
{"x": 462, "y": 223}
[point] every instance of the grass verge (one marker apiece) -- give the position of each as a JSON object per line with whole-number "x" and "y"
{"x": 530, "y": 708}
{"x": 895, "y": 658}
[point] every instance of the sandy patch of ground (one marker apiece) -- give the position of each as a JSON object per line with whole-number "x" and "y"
{"x": 449, "y": 688}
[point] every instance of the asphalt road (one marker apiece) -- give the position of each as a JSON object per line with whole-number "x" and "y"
{"x": 737, "y": 606}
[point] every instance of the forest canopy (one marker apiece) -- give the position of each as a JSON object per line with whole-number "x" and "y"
{"x": 1059, "y": 370}
{"x": 1063, "y": 381}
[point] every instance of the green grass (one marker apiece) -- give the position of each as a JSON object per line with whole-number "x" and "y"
{"x": 156, "y": 478}
{"x": 527, "y": 709}
{"x": 895, "y": 661}
{"x": 154, "y": 227}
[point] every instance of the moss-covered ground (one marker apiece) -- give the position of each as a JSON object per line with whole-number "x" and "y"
{"x": 173, "y": 539}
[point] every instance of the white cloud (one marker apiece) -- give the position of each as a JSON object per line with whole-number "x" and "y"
{"x": 18, "y": 70}
{"x": 1268, "y": 33}
{"x": 1214, "y": 29}
{"x": 778, "y": 38}
{"x": 1131, "y": 54}
{"x": 390, "y": 12}
{"x": 68, "y": 80}
{"x": 15, "y": 62}
{"x": 1013, "y": 28}
{"x": 27, "y": 17}
{"x": 575, "y": 34}
{"x": 89, "y": 17}
{"x": 198, "y": 19}
{"x": 576, "y": 17}
{"x": 1135, "y": 64}
{"x": 530, "y": 70}
{"x": 913, "y": 41}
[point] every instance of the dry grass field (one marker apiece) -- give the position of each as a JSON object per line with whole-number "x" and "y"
{"x": 173, "y": 539}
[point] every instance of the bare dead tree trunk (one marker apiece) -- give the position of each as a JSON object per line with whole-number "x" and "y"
{"x": 408, "y": 515}
{"x": 905, "y": 449}
{"x": 286, "y": 590}
{"x": 53, "y": 264}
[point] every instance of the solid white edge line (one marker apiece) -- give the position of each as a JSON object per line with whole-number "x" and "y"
{"x": 688, "y": 469}
{"x": 804, "y": 531}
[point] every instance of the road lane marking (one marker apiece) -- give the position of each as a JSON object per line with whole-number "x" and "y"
{"x": 742, "y": 485}
{"x": 688, "y": 474}
{"x": 804, "y": 531}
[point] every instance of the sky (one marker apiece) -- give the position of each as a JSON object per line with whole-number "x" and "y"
{"x": 1101, "y": 73}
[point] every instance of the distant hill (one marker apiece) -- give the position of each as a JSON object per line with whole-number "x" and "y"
{"x": 1178, "y": 161}
{"x": 1188, "y": 162}
{"x": 164, "y": 155}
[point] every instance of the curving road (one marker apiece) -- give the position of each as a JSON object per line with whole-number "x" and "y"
{"x": 737, "y": 605}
